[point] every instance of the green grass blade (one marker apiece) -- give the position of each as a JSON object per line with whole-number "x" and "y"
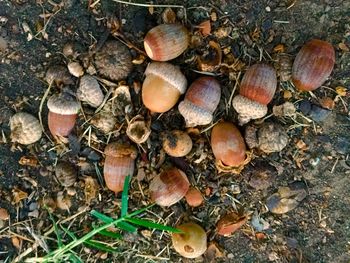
{"x": 110, "y": 234}
{"x": 102, "y": 217}
{"x": 127, "y": 227}
{"x": 74, "y": 258}
{"x": 137, "y": 212}
{"x": 57, "y": 232}
{"x": 152, "y": 225}
{"x": 69, "y": 233}
{"x": 100, "y": 246}
{"x": 124, "y": 209}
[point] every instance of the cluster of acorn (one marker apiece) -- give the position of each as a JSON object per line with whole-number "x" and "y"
{"x": 163, "y": 86}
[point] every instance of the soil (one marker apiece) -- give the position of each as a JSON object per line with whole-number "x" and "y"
{"x": 32, "y": 36}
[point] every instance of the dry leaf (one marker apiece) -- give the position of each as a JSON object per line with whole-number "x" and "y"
{"x": 343, "y": 47}
{"x": 327, "y": 103}
{"x": 168, "y": 16}
{"x": 28, "y": 161}
{"x": 341, "y": 91}
{"x": 280, "y": 48}
{"x": 4, "y": 214}
{"x": 213, "y": 252}
{"x": 16, "y": 242}
{"x": 301, "y": 145}
{"x": 287, "y": 94}
{"x": 63, "y": 202}
{"x": 151, "y": 10}
{"x": 139, "y": 60}
{"x": 205, "y": 28}
{"x": 91, "y": 189}
{"x": 18, "y": 195}
{"x": 213, "y": 16}
{"x": 230, "y": 223}
{"x": 212, "y": 60}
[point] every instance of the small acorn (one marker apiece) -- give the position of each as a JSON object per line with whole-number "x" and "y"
{"x": 25, "y": 128}
{"x": 194, "y": 197}
{"x": 192, "y": 242}
{"x": 177, "y": 143}
{"x": 201, "y": 100}
{"x": 162, "y": 87}
{"x": 89, "y": 91}
{"x": 75, "y": 69}
{"x": 228, "y": 147}
{"x": 166, "y": 42}
{"x": 119, "y": 163}
{"x": 63, "y": 112}
{"x": 257, "y": 89}
{"x": 313, "y": 65}
{"x": 169, "y": 187}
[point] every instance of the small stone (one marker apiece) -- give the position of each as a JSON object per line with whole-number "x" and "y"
{"x": 305, "y": 107}
{"x": 342, "y": 145}
{"x": 318, "y": 114}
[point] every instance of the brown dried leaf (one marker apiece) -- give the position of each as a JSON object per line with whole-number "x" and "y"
{"x": 18, "y": 195}
{"x": 287, "y": 94}
{"x": 28, "y": 161}
{"x": 4, "y": 214}
{"x": 168, "y": 16}
{"x": 280, "y": 48}
{"x": 213, "y": 252}
{"x": 16, "y": 242}
{"x": 327, "y": 103}
{"x": 341, "y": 91}
{"x": 205, "y": 28}
{"x": 230, "y": 223}
{"x": 343, "y": 47}
{"x": 91, "y": 189}
{"x": 63, "y": 202}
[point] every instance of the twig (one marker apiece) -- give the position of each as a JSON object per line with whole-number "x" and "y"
{"x": 41, "y": 109}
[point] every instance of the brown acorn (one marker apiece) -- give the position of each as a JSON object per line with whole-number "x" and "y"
{"x": 257, "y": 89}
{"x": 177, "y": 143}
{"x": 313, "y": 65}
{"x": 166, "y": 42}
{"x": 63, "y": 112}
{"x": 169, "y": 187}
{"x": 228, "y": 147}
{"x": 201, "y": 100}
{"x": 119, "y": 163}
{"x": 162, "y": 87}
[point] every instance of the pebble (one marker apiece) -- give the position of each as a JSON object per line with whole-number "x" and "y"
{"x": 318, "y": 114}
{"x": 342, "y": 145}
{"x": 91, "y": 154}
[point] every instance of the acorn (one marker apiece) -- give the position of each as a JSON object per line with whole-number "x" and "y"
{"x": 201, "y": 100}
{"x": 169, "y": 187}
{"x": 228, "y": 147}
{"x": 65, "y": 173}
{"x": 119, "y": 163}
{"x": 25, "y": 128}
{"x": 113, "y": 60}
{"x": 192, "y": 242}
{"x": 75, "y": 69}
{"x": 166, "y": 42}
{"x": 89, "y": 91}
{"x": 194, "y": 197}
{"x": 63, "y": 112}
{"x": 313, "y": 65}
{"x": 257, "y": 89}
{"x": 177, "y": 143}
{"x": 162, "y": 87}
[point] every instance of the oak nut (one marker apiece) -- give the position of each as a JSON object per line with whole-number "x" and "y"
{"x": 177, "y": 143}
{"x": 192, "y": 242}
{"x": 119, "y": 163}
{"x": 201, "y": 100}
{"x": 313, "y": 65}
{"x": 169, "y": 187}
{"x": 65, "y": 173}
{"x": 25, "y": 128}
{"x": 89, "y": 91}
{"x": 75, "y": 69}
{"x": 63, "y": 112}
{"x": 166, "y": 42}
{"x": 228, "y": 146}
{"x": 194, "y": 197}
{"x": 113, "y": 60}
{"x": 257, "y": 89}
{"x": 162, "y": 87}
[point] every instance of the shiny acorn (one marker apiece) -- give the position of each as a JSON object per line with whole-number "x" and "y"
{"x": 228, "y": 147}
{"x": 313, "y": 65}
{"x": 192, "y": 242}
{"x": 201, "y": 100}
{"x": 63, "y": 112}
{"x": 257, "y": 89}
{"x": 162, "y": 87}
{"x": 119, "y": 163}
{"x": 169, "y": 187}
{"x": 166, "y": 42}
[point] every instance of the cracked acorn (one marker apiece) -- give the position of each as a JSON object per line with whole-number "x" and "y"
{"x": 192, "y": 243}
{"x": 201, "y": 100}
{"x": 177, "y": 143}
{"x": 257, "y": 89}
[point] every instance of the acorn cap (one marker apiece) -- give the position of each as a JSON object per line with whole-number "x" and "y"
{"x": 25, "y": 128}
{"x": 194, "y": 115}
{"x": 63, "y": 104}
{"x": 247, "y": 109}
{"x": 117, "y": 149}
{"x": 89, "y": 91}
{"x": 169, "y": 73}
